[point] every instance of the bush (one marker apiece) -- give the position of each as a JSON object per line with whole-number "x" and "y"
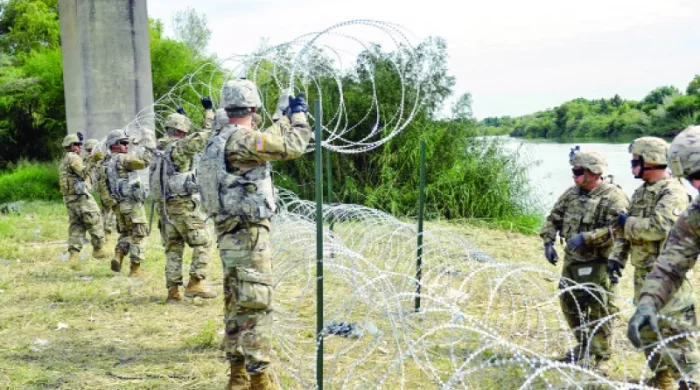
{"x": 28, "y": 180}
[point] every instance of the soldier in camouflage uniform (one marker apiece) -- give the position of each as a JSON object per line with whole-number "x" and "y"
{"x": 236, "y": 186}
{"x": 125, "y": 190}
{"x": 109, "y": 220}
{"x": 586, "y": 216}
{"x": 83, "y": 213}
{"x": 666, "y": 290}
{"x": 182, "y": 218}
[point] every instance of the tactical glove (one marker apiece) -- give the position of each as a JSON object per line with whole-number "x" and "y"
{"x": 282, "y": 105}
{"x": 206, "y": 103}
{"x": 614, "y": 271}
{"x": 550, "y": 253}
{"x": 180, "y": 110}
{"x": 575, "y": 242}
{"x": 298, "y": 104}
{"x": 645, "y": 315}
{"x": 622, "y": 220}
{"x": 80, "y": 136}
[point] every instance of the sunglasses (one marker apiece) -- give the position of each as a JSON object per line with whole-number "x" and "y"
{"x": 578, "y": 171}
{"x": 125, "y": 143}
{"x": 694, "y": 176}
{"x": 78, "y": 144}
{"x": 636, "y": 163}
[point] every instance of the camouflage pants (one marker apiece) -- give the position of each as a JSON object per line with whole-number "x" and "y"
{"x": 246, "y": 258}
{"x": 583, "y": 309}
{"x": 680, "y": 356}
{"x": 131, "y": 225}
{"x": 84, "y": 215}
{"x": 185, "y": 225}
{"x": 108, "y": 218}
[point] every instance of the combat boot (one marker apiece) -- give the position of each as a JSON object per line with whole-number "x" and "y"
{"x": 573, "y": 355}
{"x": 174, "y": 294}
{"x": 100, "y": 253}
{"x": 117, "y": 260}
{"x": 662, "y": 380}
{"x": 688, "y": 386}
{"x": 602, "y": 365}
{"x": 135, "y": 271}
{"x": 262, "y": 382}
{"x": 239, "y": 379}
{"x": 74, "y": 255}
{"x": 195, "y": 288}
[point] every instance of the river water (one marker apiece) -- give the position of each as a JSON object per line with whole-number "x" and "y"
{"x": 550, "y": 173}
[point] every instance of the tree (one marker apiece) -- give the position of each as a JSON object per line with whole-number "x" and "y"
{"x": 656, "y": 97}
{"x": 462, "y": 108}
{"x": 192, "y": 30}
{"x": 694, "y": 86}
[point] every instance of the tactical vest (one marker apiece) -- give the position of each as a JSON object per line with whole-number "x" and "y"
{"x": 178, "y": 183}
{"x": 71, "y": 184}
{"x": 245, "y": 197}
{"x": 103, "y": 185}
{"x": 123, "y": 188}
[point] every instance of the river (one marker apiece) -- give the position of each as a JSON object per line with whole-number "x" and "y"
{"x": 550, "y": 173}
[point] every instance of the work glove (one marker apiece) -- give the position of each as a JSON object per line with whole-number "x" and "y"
{"x": 550, "y": 253}
{"x": 622, "y": 220}
{"x": 614, "y": 271}
{"x": 180, "y": 110}
{"x": 207, "y": 103}
{"x": 645, "y": 315}
{"x": 575, "y": 242}
{"x": 297, "y": 104}
{"x": 80, "y": 136}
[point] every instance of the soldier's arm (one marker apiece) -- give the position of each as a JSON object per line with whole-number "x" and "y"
{"x": 678, "y": 257}
{"x": 77, "y": 165}
{"x": 190, "y": 145}
{"x": 605, "y": 234}
{"x": 656, "y": 226}
{"x": 554, "y": 221}
{"x": 285, "y": 140}
{"x": 208, "y": 120}
{"x": 620, "y": 251}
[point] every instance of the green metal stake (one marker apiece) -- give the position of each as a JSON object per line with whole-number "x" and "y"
{"x": 319, "y": 247}
{"x": 329, "y": 179}
{"x": 421, "y": 206}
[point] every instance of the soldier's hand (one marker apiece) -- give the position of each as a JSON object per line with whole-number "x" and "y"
{"x": 98, "y": 156}
{"x": 207, "y": 103}
{"x": 622, "y": 220}
{"x": 645, "y": 315}
{"x": 575, "y": 242}
{"x": 614, "y": 271}
{"x": 550, "y": 253}
{"x": 180, "y": 110}
{"x": 298, "y": 104}
{"x": 282, "y": 105}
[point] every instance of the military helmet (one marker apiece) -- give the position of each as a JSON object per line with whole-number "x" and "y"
{"x": 240, "y": 93}
{"x": 590, "y": 159}
{"x": 178, "y": 122}
{"x": 69, "y": 140}
{"x": 115, "y": 136}
{"x": 684, "y": 152}
{"x": 652, "y": 149}
{"x": 90, "y": 144}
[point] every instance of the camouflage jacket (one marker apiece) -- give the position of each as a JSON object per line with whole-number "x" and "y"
{"x": 653, "y": 210}
{"x": 666, "y": 284}
{"x": 285, "y": 140}
{"x": 593, "y": 213}
{"x": 73, "y": 177}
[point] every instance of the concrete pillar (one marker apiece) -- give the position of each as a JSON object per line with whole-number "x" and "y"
{"x": 106, "y": 65}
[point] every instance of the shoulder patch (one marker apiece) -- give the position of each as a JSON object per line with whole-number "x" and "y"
{"x": 260, "y": 143}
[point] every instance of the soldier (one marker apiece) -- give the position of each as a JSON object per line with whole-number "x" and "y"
{"x": 236, "y": 186}
{"x": 108, "y": 218}
{"x": 666, "y": 290}
{"x": 585, "y": 216}
{"x": 83, "y": 212}
{"x": 182, "y": 218}
{"x": 126, "y": 191}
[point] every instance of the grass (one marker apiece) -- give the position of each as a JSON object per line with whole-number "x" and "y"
{"x": 79, "y": 326}
{"x": 30, "y": 181}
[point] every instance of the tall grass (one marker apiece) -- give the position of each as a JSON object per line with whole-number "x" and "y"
{"x": 28, "y": 180}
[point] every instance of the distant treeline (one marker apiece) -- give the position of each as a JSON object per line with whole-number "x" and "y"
{"x": 664, "y": 112}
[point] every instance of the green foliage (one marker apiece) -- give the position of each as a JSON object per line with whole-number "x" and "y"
{"x": 206, "y": 337}
{"x": 663, "y": 112}
{"x": 30, "y": 181}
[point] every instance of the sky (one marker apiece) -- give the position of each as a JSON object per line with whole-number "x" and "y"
{"x": 515, "y": 57}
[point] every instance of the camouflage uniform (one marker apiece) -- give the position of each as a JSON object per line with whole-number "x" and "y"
{"x": 130, "y": 213}
{"x": 242, "y": 225}
{"x": 83, "y": 212}
{"x": 94, "y": 164}
{"x": 183, "y": 220}
{"x": 594, "y": 214}
{"x": 666, "y": 290}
